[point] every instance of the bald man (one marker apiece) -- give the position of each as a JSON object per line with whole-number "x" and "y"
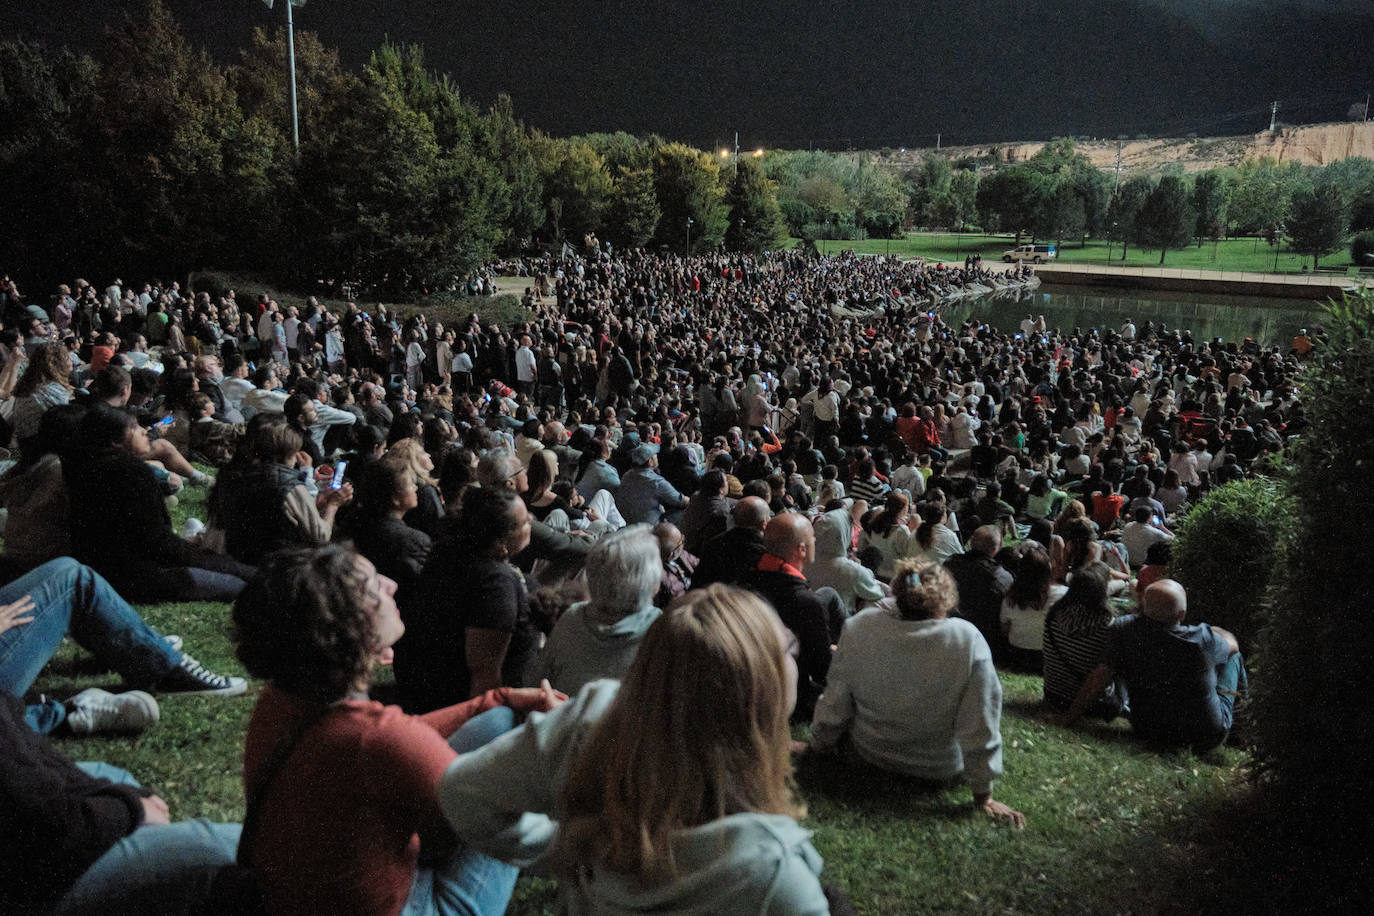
{"x": 1181, "y": 681}
{"x": 789, "y": 544}
{"x": 728, "y": 557}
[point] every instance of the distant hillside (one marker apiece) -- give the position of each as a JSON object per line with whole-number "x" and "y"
{"x": 1311, "y": 144}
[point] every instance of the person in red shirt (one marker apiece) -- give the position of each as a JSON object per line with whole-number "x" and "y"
{"x": 340, "y": 816}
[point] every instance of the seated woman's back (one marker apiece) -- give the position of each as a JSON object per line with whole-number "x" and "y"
{"x": 695, "y": 814}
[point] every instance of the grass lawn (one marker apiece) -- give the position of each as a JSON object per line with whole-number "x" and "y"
{"x": 1111, "y": 825}
{"x": 1231, "y": 254}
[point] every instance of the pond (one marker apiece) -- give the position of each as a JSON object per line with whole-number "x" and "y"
{"x": 1267, "y": 320}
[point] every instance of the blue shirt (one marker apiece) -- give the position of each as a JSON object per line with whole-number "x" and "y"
{"x": 1171, "y": 679}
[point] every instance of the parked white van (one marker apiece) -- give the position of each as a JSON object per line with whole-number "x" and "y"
{"x": 1038, "y": 254}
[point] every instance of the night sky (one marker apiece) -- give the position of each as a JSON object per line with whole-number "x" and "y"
{"x": 831, "y": 74}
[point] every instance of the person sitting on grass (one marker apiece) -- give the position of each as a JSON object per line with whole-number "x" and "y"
{"x": 62, "y": 597}
{"x": 340, "y": 787}
{"x": 1182, "y": 681}
{"x": 86, "y": 838}
{"x": 119, "y": 520}
{"x": 912, "y": 690}
{"x": 598, "y": 638}
{"x": 672, "y": 787}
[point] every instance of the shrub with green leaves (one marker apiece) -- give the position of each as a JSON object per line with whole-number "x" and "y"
{"x": 1311, "y": 706}
{"x": 1362, "y": 249}
{"x": 1225, "y": 553}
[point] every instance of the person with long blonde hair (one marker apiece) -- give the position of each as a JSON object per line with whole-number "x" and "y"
{"x": 429, "y": 505}
{"x": 673, "y": 787}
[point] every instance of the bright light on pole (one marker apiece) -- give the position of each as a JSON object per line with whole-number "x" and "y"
{"x": 291, "y": 66}
{"x": 689, "y": 236}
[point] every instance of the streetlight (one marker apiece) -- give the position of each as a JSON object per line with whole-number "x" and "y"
{"x": 689, "y": 236}
{"x": 1111, "y": 237}
{"x": 291, "y": 64}
{"x": 1278, "y": 243}
{"x": 741, "y": 233}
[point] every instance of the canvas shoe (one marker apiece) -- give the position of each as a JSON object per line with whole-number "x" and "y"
{"x": 190, "y": 676}
{"x": 174, "y": 641}
{"x": 96, "y": 712}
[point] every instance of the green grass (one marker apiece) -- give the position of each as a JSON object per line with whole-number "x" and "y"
{"x": 1111, "y": 825}
{"x": 1230, "y": 255}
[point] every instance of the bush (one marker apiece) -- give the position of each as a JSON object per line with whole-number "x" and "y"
{"x": 1226, "y": 549}
{"x": 1362, "y": 249}
{"x": 1310, "y": 708}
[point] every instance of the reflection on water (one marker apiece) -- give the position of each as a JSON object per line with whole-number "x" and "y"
{"x": 1267, "y": 320}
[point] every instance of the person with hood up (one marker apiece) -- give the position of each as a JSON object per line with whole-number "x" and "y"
{"x": 834, "y": 569}
{"x": 650, "y": 820}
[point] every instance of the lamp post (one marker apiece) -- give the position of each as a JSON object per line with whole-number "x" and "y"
{"x": 741, "y": 234}
{"x": 689, "y": 236}
{"x": 1278, "y": 243}
{"x": 1111, "y": 237}
{"x": 291, "y": 68}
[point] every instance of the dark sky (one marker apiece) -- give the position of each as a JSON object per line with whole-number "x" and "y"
{"x": 833, "y": 73}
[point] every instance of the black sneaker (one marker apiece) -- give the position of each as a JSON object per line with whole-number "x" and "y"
{"x": 191, "y": 677}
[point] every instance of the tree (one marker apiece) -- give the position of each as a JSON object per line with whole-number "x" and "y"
{"x": 400, "y": 194}
{"x": 167, "y": 117}
{"x": 1262, "y": 196}
{"x": 45, "y": 99}
{"x": 962, "y": 200}
{"x": 928, "y": 187}
{"x": 879, "y": 199}
{"x": 1309, "y": 712}
{"x": 1210, "y": 195}
{"x": 687, "y": 184}
{"x": 1013, "y": 199}
{"x": 1125, "y": 209}
{"x": 756, "y": 223}
{"x": 511, "y": 148}
{"x": 575, "y": 175}
{"x": 634, "y": 212}
{"x": 1166, "y": 217}
{"x": 1318, "y": 223}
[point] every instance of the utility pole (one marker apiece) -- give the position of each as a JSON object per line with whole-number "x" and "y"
{"x": 937, "y": 142}
{"x": 1366, "y": 106}
{"x": 1118, "y": 166}
{"x": 1273, "y": 117}
{"x": 736, "y": 175}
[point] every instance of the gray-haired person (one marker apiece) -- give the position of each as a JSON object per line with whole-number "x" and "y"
{"x": 598, "y": 638}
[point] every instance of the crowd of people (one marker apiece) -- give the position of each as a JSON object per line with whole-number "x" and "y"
{"x": 611, "y": 553}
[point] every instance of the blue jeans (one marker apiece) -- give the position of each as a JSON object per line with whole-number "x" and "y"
{"x": 466, "y": 883}
{"x": 159, "y": 868}
{"x": 71, "y": 598}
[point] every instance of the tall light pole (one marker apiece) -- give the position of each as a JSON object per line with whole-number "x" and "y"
{"x": 291, "y": 69}
{"x": 1278, "y": 243}
{"x": 689, "y": 236}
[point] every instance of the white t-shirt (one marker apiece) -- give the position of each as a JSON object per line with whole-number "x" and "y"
{"x": 1028, "y": 624}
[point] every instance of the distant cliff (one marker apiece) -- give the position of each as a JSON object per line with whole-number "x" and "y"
{"x": 1311, "y": 144}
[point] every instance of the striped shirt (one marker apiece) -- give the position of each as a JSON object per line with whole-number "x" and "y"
{"x": 1075, "y": 644}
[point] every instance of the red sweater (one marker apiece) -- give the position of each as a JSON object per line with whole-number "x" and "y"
{"x": 338, "y": 833}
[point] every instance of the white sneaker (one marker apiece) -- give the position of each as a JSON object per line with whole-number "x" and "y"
{"x": 97, "y": 711}
{"x": 174, "y": 641}
{"x": 191, "y": 527}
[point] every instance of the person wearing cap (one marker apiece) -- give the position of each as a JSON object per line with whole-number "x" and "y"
{"x": 912, "y": 690}
{"x": 645, "y": 496}
{"x": 1182, "y": 680}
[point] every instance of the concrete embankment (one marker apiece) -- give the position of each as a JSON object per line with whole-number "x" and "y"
{"x": 1306, "y": 286}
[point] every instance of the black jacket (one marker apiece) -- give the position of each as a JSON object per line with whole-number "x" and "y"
{"x": 57, "y": 820}
{"x": 729, "y": 557}
{"x": 802, "y": 613}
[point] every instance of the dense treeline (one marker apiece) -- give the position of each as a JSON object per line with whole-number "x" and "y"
{"x": 157, "y": 158}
